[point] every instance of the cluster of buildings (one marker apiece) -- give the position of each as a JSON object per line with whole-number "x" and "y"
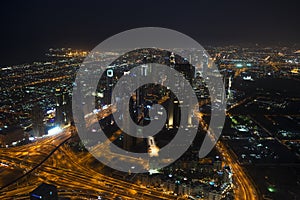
{"x": 198, "y": 179}
{"x": 36, "y": 100}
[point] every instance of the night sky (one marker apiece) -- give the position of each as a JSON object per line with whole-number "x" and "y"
{"x": 29, "y": 29}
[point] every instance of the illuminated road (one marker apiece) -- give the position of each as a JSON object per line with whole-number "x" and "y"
{"x": 71, "y": 172}
{"x": 75, "y": 177}
{"x": 103, "y": 148}
{"x": 28, "y": 157}
{"x": 244, "y": 188}
{"x": 68, "y": 171}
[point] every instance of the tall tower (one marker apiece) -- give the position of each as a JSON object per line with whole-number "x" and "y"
{"x": 172, "y": 98}
{"x": 171, "y": 111}
{"x": 188, "y": 71}
{"x": 204, "y": 64}
{"x": 127, "y": 139}
{"x": 172, "y": 60}
{"x": 59, "y": 106}
{"x": 63, "y": 110}
{"x": 229, "y": 88}
{"x": 37, "y": 117}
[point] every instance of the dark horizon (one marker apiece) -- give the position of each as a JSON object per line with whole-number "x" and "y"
{"x": 28, "y": 30}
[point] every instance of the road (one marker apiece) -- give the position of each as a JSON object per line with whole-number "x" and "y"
{"x": 70, "y": 174}
{"x": 244, "y": 189}
{"x": 67, "y": 170}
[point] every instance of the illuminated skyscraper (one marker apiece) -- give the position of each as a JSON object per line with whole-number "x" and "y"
{"x": 170, "y": 123}
{"x": 172, "y": 59}
{"x": 204, "y": 64}
{"x": 63, "y": 107}
{"x": 59, "y": 110}
{"x": 127, "y": 139}
{"x": 188, "y": 71}
{"x": 171, "y": 112}
{"x": 37, "y": 121}
{"x": 229, "y": 93}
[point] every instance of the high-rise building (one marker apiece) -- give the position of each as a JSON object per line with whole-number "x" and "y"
{"x": 63, "y": 106}
{"x": 174, "y": 112}
{"x": 187, "y": 70}
{"x": 204, "y": 65}
{"x": 37, "y": 118}
{"x": 217, "y": 164}
{"x": 127, "y": 139}
{"x": 172, "y": 59}
{"x": 59, "y": 106}
{"x": 171, "y": 111}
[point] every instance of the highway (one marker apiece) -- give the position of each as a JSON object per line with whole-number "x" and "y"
{"x": 244, "y": 189}
{"x": 67, "y": 170}
{"x": 68, "y": 173}
{"x": 71, "y": 172}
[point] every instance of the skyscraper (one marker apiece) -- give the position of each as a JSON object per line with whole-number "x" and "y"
{"x": 59, "y": 103}
{"x": 127, "y": 139}
{"x": 63, "y": 108}
{"x": 37, "y": 117}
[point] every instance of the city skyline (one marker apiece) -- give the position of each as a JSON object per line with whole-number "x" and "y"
{"x": 152, "y": 100}
{"x": 249, "y": 140}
